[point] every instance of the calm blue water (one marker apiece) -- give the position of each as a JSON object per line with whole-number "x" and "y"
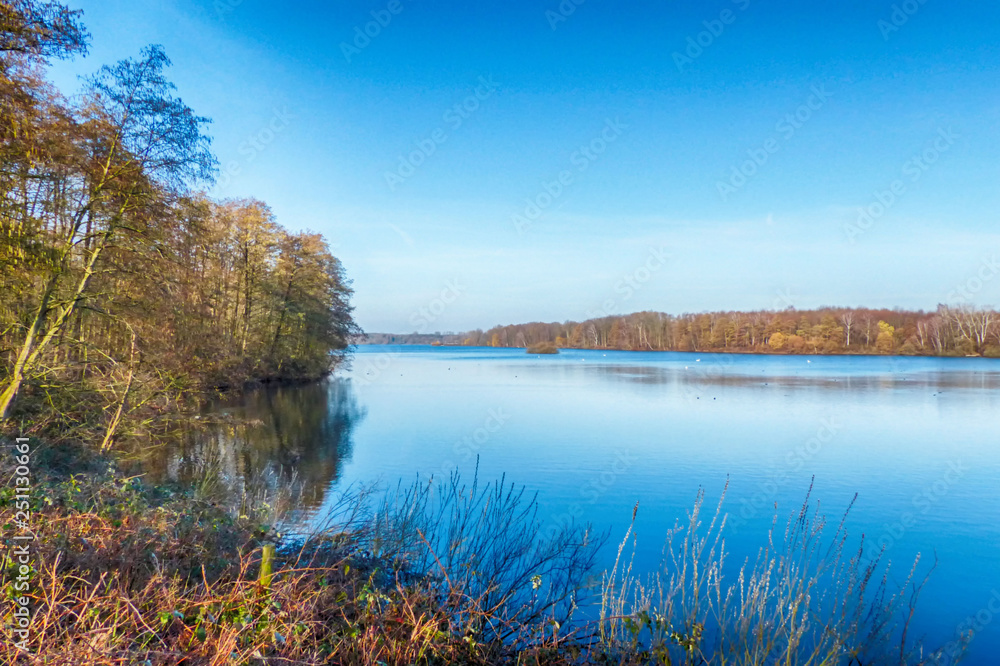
{"x": 595, "y": 432}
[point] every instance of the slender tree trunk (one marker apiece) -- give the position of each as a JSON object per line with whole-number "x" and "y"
{"x": 9, "y": 392}
{"x": 33, "y": 346}
{"x": 284, "y": 310}
{"x": 117, "y": 418}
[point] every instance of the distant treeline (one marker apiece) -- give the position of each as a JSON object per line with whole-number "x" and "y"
{"x": 412, "y": 338}
{"x": 948, "y": 331}
{"x": 123, "y": 287}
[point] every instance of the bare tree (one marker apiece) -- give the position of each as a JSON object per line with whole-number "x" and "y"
{"x": 847, "y": 319}
{"x": 868, "y": 321}
{"x": 974, "y": 326}
{"x": 923, "y": 333}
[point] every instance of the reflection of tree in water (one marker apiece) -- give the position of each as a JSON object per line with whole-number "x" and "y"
{"x": 289, "y": 438}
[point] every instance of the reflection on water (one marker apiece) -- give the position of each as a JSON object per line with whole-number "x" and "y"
{"x": 710, "y": 375}
{"x": 293, "y": 438}
{"x": 594, "y": 432}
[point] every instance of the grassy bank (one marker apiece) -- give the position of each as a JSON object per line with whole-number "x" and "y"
{"x": 126, "y": 573}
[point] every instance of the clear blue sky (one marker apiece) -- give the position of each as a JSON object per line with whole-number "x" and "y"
{"x": 662, "y": 119}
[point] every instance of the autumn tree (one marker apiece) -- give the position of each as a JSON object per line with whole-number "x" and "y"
{"x": 40, "y": 29}
{"x": 133, "y": 139}
{"x": 885, "y": 342}
{"x": 949, "y": 331}
{"x": 122, "y": 287}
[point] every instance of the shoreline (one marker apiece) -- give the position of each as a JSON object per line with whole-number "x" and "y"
{"x": 732, "y": 352}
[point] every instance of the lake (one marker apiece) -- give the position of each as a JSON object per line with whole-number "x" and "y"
{"x": 595, "y": 432}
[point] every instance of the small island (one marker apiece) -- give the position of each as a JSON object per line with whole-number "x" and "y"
{"x": 543, "y": 348}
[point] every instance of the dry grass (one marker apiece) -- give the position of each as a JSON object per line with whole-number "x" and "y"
{"x": 126, "y": 574}
{"x": 806, "y": 600}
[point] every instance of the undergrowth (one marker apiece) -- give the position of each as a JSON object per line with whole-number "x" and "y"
{"x": 430, "y": 573}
